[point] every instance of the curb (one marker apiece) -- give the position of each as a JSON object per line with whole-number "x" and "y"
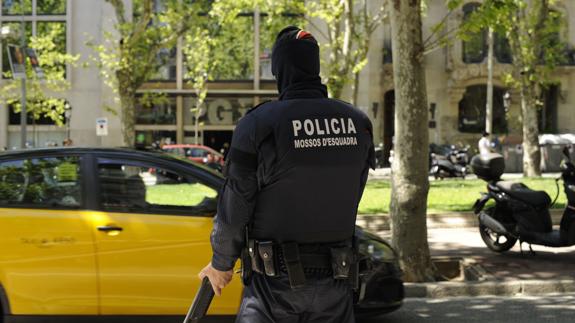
{"x": 490, "y": 288}
{"x": 379, "y": 222}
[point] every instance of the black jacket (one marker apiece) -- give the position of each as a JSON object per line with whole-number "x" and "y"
{"x": 297, "y": 167}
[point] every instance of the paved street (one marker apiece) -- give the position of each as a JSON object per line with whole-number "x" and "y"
{"x": 555, "y": 308}
{"x": 549, "y": 309}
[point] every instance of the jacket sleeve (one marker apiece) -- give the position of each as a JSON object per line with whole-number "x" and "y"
{"x": 370, "y": 162}
{"x": 237, "y": 197}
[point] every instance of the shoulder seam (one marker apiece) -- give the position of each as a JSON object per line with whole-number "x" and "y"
{"x": 342, "y": 101}
{"x": 257, "y": 106}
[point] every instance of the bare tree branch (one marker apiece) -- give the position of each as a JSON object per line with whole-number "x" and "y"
{"x": 309, "y": 20}
{"x": 143, "y": 22}
{"x": 437, "y": 42}
{"x": 436, "y": 31}
{"x": 119, "y": 9}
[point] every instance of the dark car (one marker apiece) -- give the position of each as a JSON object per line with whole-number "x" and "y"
{"x": 107, "y": 232}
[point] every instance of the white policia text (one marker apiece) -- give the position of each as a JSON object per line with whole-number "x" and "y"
{"x": 317, "y": 129}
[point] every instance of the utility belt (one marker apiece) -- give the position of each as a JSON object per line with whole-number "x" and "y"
{"x": 296, "y": 260}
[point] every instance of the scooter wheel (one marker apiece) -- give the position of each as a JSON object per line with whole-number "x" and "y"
{"x": 495, "y": 241}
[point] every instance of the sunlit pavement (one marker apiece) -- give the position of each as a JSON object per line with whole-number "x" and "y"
{"x": 385, "y": 173}
{"x": 550, "y": 308}
{"x": 545, "y": 264}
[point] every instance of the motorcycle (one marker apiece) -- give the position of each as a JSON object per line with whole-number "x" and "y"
{"x": 448, "y": 162}
{"x": 520, "y": 213}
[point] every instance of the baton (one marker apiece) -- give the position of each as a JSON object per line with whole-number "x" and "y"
{"x": 201, "y": 302}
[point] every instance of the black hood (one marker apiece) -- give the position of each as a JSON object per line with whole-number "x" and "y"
{"x": 295, "y": 64}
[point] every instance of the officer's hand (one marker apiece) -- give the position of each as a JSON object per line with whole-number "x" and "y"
{"x": 218, "y": 279}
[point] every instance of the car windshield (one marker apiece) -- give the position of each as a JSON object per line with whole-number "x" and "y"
{"x": 195, "y": 152}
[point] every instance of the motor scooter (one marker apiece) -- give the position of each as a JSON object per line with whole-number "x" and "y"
{"x": 449, "y": 162}
{"x": 520, "y": 213}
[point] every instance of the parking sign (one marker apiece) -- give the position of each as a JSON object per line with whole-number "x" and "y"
{"x": 102, "y": 126}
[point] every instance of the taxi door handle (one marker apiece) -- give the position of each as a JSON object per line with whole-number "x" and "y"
{"x": 107, "y": 228}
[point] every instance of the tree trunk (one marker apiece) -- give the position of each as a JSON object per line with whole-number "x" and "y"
{"x": 335, "y": 87}
{"x": 410, "y": 182}
{"x": 128, "y": 106}
{"x": 355, "y": 89}
{"x": 531, "y": 151}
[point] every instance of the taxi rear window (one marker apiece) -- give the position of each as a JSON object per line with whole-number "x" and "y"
{"x": 41, "y": 182}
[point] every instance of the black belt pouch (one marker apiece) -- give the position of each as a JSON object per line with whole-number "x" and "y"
{"x": 341, "y": 262}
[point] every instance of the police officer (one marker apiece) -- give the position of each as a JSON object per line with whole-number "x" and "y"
{"x": 296, "y": 171}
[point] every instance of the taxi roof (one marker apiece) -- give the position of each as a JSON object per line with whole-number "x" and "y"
{"x": 116, "y": 152}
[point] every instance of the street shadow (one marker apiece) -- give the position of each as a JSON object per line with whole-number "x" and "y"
{"x": 483, "y": 309}
{"x": 513, "y": 264}
{"x": 546, "y": 263}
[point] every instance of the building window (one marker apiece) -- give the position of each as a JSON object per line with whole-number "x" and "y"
{"x": 224, "y": 111}
{"x": 37, "y": 115}
{"x": 42, "y": 17}
{"x": 502, "y": 49}
{"x": 168, "y": 68}
{"x": 162, "y": 112}
{"x": 475, "y": 49}
{"x": 51, "y": 7}
{"x": 472, "y": 110}
{"x": 16, "y": 7}
{"x": 166, "y": 58}
{"x": 155, "y": 138}
{"x": 233, "y": 56}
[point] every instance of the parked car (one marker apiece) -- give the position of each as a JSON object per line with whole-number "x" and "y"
{"x": 104, "y": 232}
{"x": 198, "y": 153}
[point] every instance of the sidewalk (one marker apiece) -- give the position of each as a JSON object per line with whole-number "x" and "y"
{"x": 385, "y": 173}
{"x": 451, "y": 220}
{"x": 549, "y": 270}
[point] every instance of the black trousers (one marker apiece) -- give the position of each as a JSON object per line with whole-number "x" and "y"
{"x": 271, "y": 300}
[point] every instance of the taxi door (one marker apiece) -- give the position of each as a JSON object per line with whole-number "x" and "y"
{"x": 47, "y": 256}
{"x": 152, "y": 237}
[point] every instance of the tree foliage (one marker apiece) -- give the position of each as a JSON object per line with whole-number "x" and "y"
{"x": 345, "y": 27}
{"x": 533, "y": 30}
{"x": 133, "y": 54}
{"x": 219, "y": 46}
{"x": 42, "y": 94}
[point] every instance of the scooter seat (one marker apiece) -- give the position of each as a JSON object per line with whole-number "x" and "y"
{"x": 523, "y": 193}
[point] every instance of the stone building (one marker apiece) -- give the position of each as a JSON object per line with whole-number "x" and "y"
{"x": 456, "y": 84}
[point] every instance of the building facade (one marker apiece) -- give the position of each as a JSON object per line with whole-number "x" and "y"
{"x": 456, "y": 83}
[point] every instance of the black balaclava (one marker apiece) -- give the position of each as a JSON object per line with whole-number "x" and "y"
{"x": 295, "y": 64}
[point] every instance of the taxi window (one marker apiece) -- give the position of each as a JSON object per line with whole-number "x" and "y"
{"x": 139, "y": 187}
{"x": 41, "y": 182}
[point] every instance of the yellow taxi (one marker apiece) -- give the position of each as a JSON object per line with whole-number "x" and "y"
{"x": 107, "y": 232}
